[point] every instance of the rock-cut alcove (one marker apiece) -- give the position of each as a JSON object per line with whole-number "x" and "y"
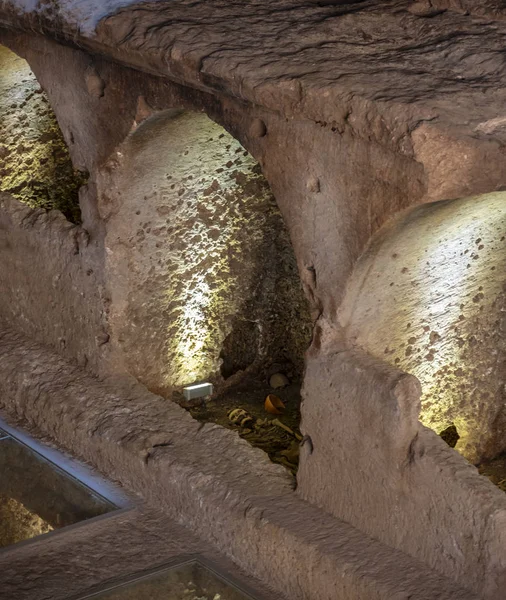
{"x": 201, "y": 275}
{"x": 35, "y": 165}
{"x": 428, "y": 297}
{"x": 48, "y": 281}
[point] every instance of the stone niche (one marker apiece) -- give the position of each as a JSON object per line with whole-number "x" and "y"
{"x": 182, "y": 269}
{"x": 428, "y": 297}
{"x": 49, "y": 278}
{"x": 35, "y": 165}
{"x": 202, "y": 279}
{"x": 421, "y": 348}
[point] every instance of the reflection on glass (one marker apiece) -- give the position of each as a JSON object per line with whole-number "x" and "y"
{"x": 36, "y": 496}
{"x": 189, "y": 581}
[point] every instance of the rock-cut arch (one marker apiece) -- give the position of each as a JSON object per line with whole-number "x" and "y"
{"x": 201, "y": 276}
{"x": 428, "y": 296}
{"x": 35, "y": 165}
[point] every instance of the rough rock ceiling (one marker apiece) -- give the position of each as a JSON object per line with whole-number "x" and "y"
{"x": 379, "y": 67}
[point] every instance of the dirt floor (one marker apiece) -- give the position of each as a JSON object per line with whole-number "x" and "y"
{"x": 265, "y": 431}
{"x": 276, "y": 434}
{"x": 35, "y": 165}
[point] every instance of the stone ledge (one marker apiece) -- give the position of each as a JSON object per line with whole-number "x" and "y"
{"x": 427, "y": 499}
{"x": 209, "y": 480}
{"x": 80, "y": 559}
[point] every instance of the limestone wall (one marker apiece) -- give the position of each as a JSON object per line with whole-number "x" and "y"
{"x": 35, "y": 165}
{"x": 48, "y": 281}
{"x": 194, "y": 264}
{"x": 208, "y": 480}
{"x": 199, "y": 266}
{"x": 374, "y": 465}
{"x": 428, "y": 297}
{"x": 336, "y": 181}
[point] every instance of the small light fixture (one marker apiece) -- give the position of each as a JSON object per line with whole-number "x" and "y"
{"x": 198, "y": 390}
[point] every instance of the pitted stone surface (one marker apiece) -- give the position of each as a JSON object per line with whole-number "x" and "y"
{"x": 330, "y": 63}
{"x": 129, "y": 417}
{"x": 201, "y": 275}
{"x": 368, "y": 108}
{"x": 207, "y": 479}
{"x": 35, "y": 164}
{"x": 427, "y": 296}
{"x": 359, "y": 124}
{"x": 366, "y": 436}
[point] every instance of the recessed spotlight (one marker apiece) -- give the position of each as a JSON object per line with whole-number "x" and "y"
{"x": 198, "y": 390}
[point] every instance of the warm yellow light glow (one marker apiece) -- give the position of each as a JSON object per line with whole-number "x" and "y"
{"x": 35, "y": 165}
{"x": 225, "y": 224}
{"x": 197, "y": 251}
{"x": 193, "y": 338}
{"x": 428, "y": 297}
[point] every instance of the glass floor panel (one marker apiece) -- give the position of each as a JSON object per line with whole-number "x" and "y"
{"x": 37, "y": 496}
{"x": 192, "y": 580}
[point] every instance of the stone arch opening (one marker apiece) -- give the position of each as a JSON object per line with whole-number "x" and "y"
{"x": 201, "y": 275}
{"x": 35, "y": 165}
{"x": 428, "y": 297}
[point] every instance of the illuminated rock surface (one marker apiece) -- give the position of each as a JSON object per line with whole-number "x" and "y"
{"x": 208, "y": 480}
{"x": 354, "y": 111}
{"x": 200, "y": 268}
{"x": 428, "y": 296}
{"x": 34, "y": 161}
{"x": 17, "y": 523}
